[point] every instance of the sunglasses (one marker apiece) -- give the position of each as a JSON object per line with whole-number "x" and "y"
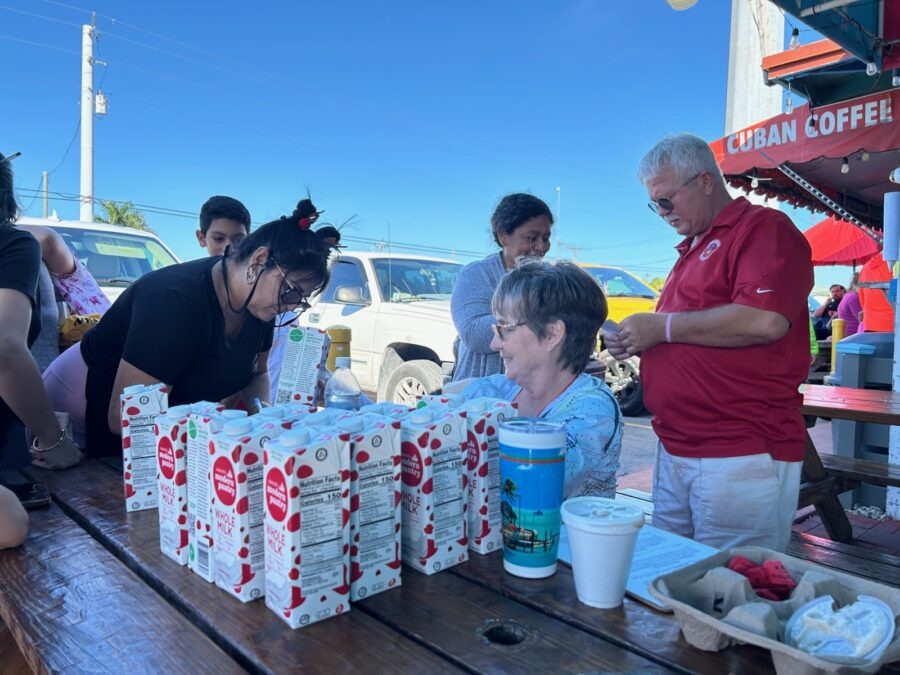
{"x": 666, "y": 203}
{"x": 291, "y": 296}
{"x": 502, "y": 330}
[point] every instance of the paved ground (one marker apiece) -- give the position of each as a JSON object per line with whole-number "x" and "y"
{"x": 636, "y": 471}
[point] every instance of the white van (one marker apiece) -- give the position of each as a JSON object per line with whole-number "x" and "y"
{"x": 115, "y": 255}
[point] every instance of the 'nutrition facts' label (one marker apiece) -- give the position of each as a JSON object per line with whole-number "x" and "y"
{"x": 321, "y": 533}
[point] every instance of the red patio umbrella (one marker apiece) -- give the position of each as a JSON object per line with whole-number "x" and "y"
{"x": 837, "y": 242}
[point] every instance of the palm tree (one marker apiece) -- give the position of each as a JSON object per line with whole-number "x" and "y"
{"x": 122, "y": 213}
{"x": 508, "y": 492}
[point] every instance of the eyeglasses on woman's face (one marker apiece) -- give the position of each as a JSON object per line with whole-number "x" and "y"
{"x": 292, "y": 296}
{"x": 502, "y": 330}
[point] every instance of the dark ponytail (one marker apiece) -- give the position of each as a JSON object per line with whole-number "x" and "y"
{"x": 291, "y": 243}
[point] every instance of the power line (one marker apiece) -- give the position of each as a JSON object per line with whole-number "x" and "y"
{"x": 39, "y": 44}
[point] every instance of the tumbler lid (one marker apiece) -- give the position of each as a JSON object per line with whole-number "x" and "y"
{"x": 599, "y": 514}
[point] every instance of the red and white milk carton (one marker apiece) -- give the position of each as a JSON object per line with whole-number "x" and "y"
{"x": 307, "y": 497}
{"x": 201, "y": 425}
{"x": 375, "y": 515}
{"x": 483, "y": 417}
{"x": 305, "y": 352}
{"x": 171, "y": 481}
{"x": 434, "y": 520}
{"x": 238, "y": 511}
{"x": 140, "y": 405}
{"x": 393, "y": 410}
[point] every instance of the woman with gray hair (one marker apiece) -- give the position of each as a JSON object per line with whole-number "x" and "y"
{"x": 547, "y": 319}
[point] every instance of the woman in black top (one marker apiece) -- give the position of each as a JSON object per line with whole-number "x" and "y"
{"x": 22, "y": 393}
{"x": 203, "y": 327}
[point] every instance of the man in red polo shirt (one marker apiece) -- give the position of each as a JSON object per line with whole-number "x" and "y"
{"x": 723, "y": 356}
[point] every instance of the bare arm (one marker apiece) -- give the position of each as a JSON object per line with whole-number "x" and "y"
{"x": 726, "y": 326}
{"x": 126, "y": 376}
{"x": 20, "y": 380}
{"x": 54, "y": 252}
{"x": 13, "y": 520}
{"x": 258, "y": 388}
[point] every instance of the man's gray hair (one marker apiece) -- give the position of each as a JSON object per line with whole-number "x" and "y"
{"x": 686, "y": 154}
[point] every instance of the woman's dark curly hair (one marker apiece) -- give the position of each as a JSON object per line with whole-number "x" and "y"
{"x": 514, "y": 210}
{"x": 9, "y": 209}
{"x": 292, "y": 244}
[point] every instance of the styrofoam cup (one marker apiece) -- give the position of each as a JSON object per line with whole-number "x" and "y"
{"x": 602, "y": 536}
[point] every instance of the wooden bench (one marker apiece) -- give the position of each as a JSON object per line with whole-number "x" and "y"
{"x": 862, "y": 470}
{"x": 72, "y": 607}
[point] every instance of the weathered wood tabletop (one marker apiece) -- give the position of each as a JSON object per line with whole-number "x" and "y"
{"x": 124, "y": 606}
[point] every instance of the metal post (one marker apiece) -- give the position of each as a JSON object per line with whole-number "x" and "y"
{"x": 87, "y": 124}
{"x": 46, "y": 181}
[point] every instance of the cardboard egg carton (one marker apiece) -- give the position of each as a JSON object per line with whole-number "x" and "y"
{"x": 717, "y": 608}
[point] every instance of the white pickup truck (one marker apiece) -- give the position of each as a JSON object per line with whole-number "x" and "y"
{"x": 398, "y": 307}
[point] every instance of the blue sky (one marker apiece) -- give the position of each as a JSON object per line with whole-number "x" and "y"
{"x": 415, "y": 117}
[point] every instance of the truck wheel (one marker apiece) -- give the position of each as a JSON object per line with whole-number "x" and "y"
{"x": 624, "y": 378}
{"x": 413, "y": 379}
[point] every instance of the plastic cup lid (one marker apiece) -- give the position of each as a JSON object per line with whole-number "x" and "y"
{"x": 238, "y": 426}
{"x": 599, "y": 514}
{"x": 860, "y": 630}
{"x": 294, "y": 437}
{"x": 532, "y": 425}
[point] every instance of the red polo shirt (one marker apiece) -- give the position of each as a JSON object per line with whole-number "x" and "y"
{"x": 730, "y": 402}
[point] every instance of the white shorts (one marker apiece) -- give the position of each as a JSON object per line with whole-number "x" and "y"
{"x": 726, "y": 501}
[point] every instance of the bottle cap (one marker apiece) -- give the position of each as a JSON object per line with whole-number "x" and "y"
{"x": 233, "y": 414}
{"x": 238, "y": 426}
{"x": 294, "y": 438}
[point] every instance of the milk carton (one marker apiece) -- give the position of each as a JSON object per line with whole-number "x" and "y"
{"x": 237, "y": 502}
{"x": 482, "y": 457}
{"x": 171, "y": 481}
{"x": 304, "y": 357}
{"x": 140, "y": 405}
{"x": 375, "y": 515}
{"x": 200, "y": 427}
{"x": 387, "y": 409}
{"x": 307, "y": 498}
{"x": 434, "y": 525}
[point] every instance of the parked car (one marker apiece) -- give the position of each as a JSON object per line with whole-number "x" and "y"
{"x": 115, "y": 255}
{"x": 398, "y": 308}
{"x": 625, "y": 295}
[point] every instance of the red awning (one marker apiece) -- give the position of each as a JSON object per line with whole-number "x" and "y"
{"x": 837, "y": 242}
{"x": 815, "y": 145}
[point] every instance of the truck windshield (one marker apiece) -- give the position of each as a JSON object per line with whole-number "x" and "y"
{"x": 113, "y": 258}
{"x": 412, "y": 279}
{"x": 619, "y": 283}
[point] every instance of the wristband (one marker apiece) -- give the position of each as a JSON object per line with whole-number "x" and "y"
{"x": 669, "y": 326}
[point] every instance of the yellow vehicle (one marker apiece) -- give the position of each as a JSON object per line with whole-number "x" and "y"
{"x": 625, "y": 295}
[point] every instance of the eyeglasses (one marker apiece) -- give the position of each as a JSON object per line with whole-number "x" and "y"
{"x": 291, "y": 296}
{"x": 502, "y": 330}
{"x": 666, "y": 202}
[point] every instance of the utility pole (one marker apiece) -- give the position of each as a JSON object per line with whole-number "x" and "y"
{"x": 46, "y": 181}
{"x": 86, "y": 212}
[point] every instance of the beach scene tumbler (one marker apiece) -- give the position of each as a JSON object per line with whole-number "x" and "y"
{"x": 532, "y": 473}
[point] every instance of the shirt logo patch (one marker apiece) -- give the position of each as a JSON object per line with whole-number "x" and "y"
{"x": 764, "y": 290}
{"x": 711, "y": 248}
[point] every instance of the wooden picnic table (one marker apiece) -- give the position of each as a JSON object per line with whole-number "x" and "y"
{"x": 825, "y": 477}
{"x": 90, "y": 590}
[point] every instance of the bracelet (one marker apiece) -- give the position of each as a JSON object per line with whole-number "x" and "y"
{"x": 669, "y": 326}
{"x": 59, "y": 442}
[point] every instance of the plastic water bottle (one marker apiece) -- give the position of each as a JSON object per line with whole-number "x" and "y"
{"x": 342, "y": 390}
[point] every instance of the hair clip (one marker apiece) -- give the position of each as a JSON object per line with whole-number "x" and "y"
{"x": 305, "y": 223}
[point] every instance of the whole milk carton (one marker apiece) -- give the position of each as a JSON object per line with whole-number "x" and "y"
{"x": 305, "y": 352}
{"x": 140, "y": 405}
{"x": 307, "y": 499}
{"x": 482, "y": 457}
{"x": 375, "y": 514}
{"x": 201, "y": 425}
{"x": 171, "y": 482}
{"x": 434, "y": 519}
{"x": 237, "y": 503}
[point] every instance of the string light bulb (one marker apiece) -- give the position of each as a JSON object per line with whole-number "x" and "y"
{"x": 795, "y": 38}
{"x": 789, "y": 102}
{"x": 895, "y": 80}
{"x": 845, "y": 166}
{"x": 754, "y": 183}
{"x": 871, "y": 69}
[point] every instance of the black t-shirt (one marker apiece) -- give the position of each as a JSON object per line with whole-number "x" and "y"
{"x": 169, "y": 324}
{"x": 20, "y": 262}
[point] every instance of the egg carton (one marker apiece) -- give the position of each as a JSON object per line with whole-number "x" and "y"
{"x": 717, "y": 608}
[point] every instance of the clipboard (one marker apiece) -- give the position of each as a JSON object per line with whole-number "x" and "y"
{"x": 657, "y": 552}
